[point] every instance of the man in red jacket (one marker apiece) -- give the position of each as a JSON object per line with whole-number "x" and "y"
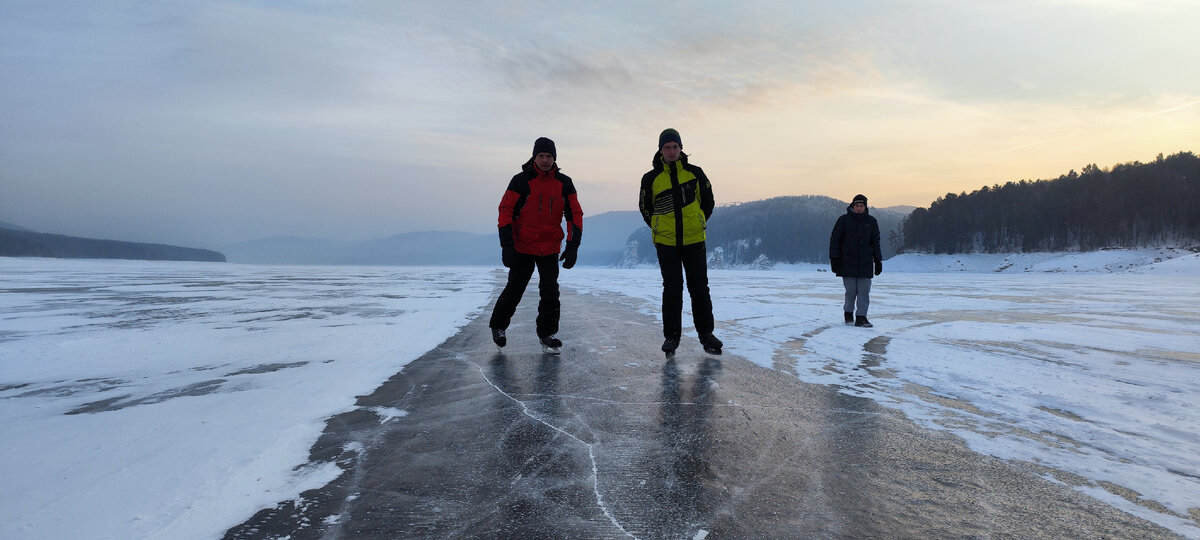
{"x": 532, "y": 210}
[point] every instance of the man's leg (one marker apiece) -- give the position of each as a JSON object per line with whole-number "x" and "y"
{"x": 864, "y": 296}
{"x": 669, "y": 261}
{"x": 851, "y": 285}
{"x": 548, "y": 304}
{"x": 518, "y": 279}
{"x": 695, "y": 264}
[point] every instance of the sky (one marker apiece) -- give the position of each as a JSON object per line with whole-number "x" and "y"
{"x": 160, "y": 361}
{"x": 205, "y": 123}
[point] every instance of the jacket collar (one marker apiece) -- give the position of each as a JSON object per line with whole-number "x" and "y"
{"x": 530, "y": 168}
{"x": 658, "y": 163}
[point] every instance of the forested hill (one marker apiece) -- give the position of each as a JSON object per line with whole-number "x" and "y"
{"x": 1133, "y": 205}
{"x": 781, "y": 229}
{"x": 24, "y": 243}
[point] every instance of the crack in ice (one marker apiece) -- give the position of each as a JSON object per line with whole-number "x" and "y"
{"x": 590, "y": 448}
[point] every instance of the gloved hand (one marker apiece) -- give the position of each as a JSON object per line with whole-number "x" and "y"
{"x": 569, "y": 255}
{"x": 508, "y": 256}
{"x": 878, "y": 267}
{"x": 835, "y": 266}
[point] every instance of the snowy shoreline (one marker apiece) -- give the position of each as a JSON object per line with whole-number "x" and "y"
{"x": 1182, "y": 261}
{"x": 1151, "y": 260}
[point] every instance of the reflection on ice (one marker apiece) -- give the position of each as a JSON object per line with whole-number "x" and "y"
{"x": 1093, "y": 375}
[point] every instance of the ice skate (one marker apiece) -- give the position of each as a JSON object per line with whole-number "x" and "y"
{"x": 551, "y": 345}
{"x": 712, "y": 345}
{"x": 669, "y": 345}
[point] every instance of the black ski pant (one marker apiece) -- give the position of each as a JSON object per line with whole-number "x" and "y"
{"x": 674, "y": 262}
{"x": 518, "y": 279}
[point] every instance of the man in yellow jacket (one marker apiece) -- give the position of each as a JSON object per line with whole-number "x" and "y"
{"x": 676, "y": 202}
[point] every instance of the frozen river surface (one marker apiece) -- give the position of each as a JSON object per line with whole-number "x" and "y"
{"x": 174, "y": 400}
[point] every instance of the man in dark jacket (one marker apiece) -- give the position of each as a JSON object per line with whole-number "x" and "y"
{"x": 855, "y": 256}
{"x": 676, "y": 201}
{"x": 532, "y": 211}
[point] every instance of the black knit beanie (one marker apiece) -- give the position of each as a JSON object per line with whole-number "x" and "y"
{"x": 860, "y": 198}
{"x": 667, "y": 136}
{"x": 544, "y": 145}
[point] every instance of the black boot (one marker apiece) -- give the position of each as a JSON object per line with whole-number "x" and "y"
{"x": 498, "y": 337}
{"x": 849, "y": 317}
{"x": 670, "y": 344}
{"x": 712, "y": 345}
{"x": 862, "y": 321}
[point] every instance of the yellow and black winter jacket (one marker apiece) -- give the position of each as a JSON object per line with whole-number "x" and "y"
{"x": 676, "y": 202}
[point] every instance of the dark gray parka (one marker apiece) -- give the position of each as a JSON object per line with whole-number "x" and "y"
{"x": 855, "y": 240}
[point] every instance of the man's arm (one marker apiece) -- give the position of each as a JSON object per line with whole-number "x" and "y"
{"x": 646, "y": 198}
{"x": 573, "y": 212}
{"x": 877, "y": 252}
{"x": 835, "y": 238}
{"x": 706, "y": 194}
{"x": 510, "y": 205}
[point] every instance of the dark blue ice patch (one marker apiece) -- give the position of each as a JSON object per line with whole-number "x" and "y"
{"x": 118, "y": 403}
{"x": 266, "y": 368}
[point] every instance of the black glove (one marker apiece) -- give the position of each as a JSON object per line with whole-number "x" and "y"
{"x": 835, "y": 266}
{"x": 508, "y": 256}
{"x": 878, "y": 267}
{"x": 569, "y": 255}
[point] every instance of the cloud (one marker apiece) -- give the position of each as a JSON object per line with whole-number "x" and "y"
{"x": 348, "y": 118}
{"x": 1172, "y": 109}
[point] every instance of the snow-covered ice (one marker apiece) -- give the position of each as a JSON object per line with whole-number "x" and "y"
{"x": 174, "y": 400}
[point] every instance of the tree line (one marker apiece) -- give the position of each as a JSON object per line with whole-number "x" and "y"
{"x": 21, "y": 243}
{"x": 792, "y": 229}
{"x": 1133, "y": 205}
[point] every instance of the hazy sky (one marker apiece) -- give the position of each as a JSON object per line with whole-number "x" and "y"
{"x": 206, "y": 123}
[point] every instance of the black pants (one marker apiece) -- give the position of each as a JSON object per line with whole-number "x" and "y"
{"x": 518, "y": 279}
{"x": 694, "y": 261}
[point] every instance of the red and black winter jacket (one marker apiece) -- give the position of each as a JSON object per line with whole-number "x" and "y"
{"x": 533, "y": 208}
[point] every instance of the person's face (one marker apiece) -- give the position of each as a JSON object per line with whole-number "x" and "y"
{"x": 544, "y": 161}
{"x": 671, "y": 151}
{"x": 858, "y": 208}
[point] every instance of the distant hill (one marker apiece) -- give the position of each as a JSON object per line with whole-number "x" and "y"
{"x": 604, "y": 237}
{"x": 1133, "y": 205}
{"x": 780, "y": 229}
{"x": 286, "y": 250}
{"x": 415, "y": 249}
{"x": 10, "y": 226}
{"x": 16, "y": 242}
{"x": 427, "y": 248}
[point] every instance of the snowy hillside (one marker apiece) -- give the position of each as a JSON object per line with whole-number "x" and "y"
{"x": 1158, "y": 260}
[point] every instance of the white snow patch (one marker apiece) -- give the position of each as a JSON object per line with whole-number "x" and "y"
{"x": 387, "y": 413}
